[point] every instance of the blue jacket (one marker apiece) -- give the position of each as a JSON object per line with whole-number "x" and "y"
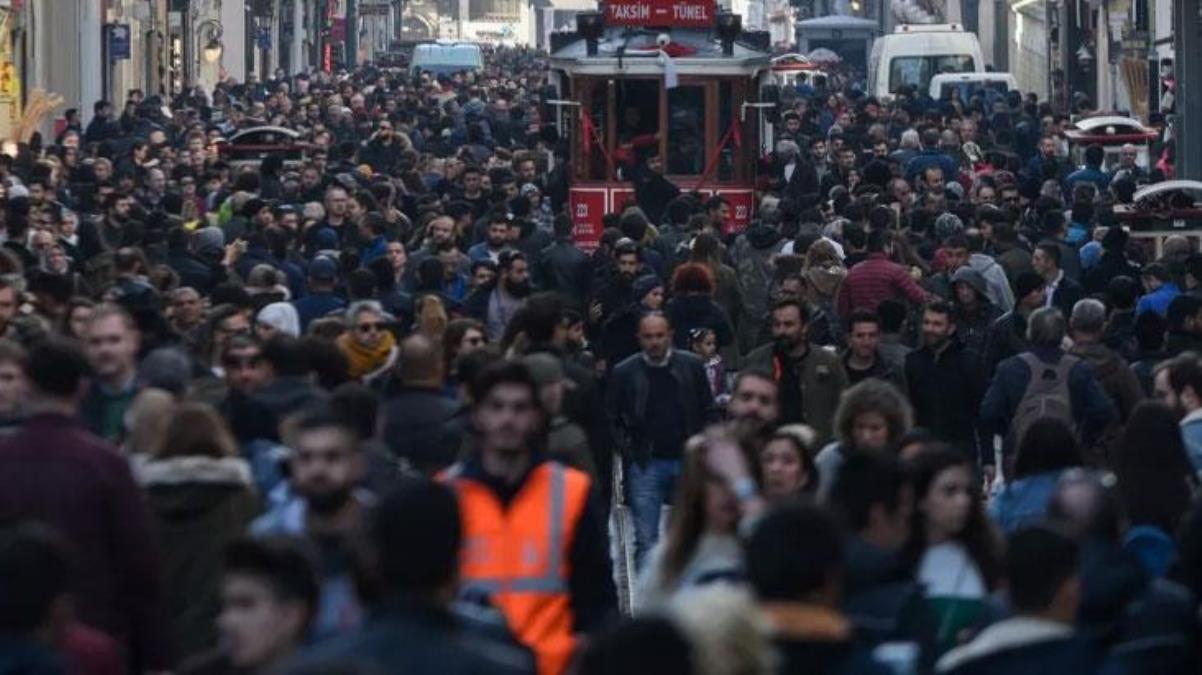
{"x": 316, "y": 305}
{"x": 1092, "y": 408}
{"x": 1089, "y": 175}
{"x": 1158, "y": 300}
{"x": 928, "y": 158}
{"x": 1023, "y": 502}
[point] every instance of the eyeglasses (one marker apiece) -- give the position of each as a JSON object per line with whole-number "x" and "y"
{"x": 373, "y": 327}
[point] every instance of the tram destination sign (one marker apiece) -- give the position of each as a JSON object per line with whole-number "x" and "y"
{"x": 660, "y": 13}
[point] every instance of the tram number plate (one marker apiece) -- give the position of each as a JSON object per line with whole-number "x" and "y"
{"x": 679, "y": 13}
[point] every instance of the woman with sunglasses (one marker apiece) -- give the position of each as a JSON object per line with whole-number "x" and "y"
{"x": 369, "y": 347}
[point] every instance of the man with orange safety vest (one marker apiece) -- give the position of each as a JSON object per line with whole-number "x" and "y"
{"x": 534, "y": 538}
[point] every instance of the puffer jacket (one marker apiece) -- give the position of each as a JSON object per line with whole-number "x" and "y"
{"x": 197, "y": 505}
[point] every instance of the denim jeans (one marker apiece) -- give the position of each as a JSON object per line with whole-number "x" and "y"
{"x": 648, "y": 487}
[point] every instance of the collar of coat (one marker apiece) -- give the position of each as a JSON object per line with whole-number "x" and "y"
{"x": 193, "y": 469}
{"x": 1005, "y": 635}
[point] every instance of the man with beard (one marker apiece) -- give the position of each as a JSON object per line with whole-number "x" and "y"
{"x": 942, "y": 381}
{"x": 440, "y": 238}
{"x": 560, "y": 585}
{"x": 754, "y": 407}
{"x": 810, "y": 380}
{"x": 656, "y": 400}
{"x": 112, "y": 340}
{"x": 652, "y": 190}
{"x": 496, "y": 240}
{"x": 1177, "y": 383}
{"x": 325, "y": 466}
{"x": 496, "y": 303}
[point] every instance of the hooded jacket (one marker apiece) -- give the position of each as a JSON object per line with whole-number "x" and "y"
{"x": 197, "y": 506}
{"x": 974, "y": 330}
{"x": 998, "y": 285}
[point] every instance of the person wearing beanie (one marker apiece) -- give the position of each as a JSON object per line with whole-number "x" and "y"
{"x": 618, "y": 333}
{"x": 1008, "y": 336}
{"x": 1112, "y": 263}
{"x": 278, "y": 318}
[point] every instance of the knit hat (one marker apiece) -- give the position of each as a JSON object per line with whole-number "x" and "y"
{"x": 210, "y": 237}
{"x": 282, "y": 317}
{"x": 644, "y": 285}
{"x": 1025, "y": 283}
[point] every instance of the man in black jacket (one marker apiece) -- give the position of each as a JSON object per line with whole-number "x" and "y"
{"x": 562, "y": 266}
{"x": 944, "y": 385}
{"x": 416, "y": 417}
{"x": 656, "y": 400}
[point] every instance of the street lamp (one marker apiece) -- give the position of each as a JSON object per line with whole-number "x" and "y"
{"x": 211, "y": 52}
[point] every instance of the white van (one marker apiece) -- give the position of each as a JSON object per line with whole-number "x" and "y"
{"x": 915, "y": 53}
{"x": 445, "y": 58}
{"x": 971, "y": 84}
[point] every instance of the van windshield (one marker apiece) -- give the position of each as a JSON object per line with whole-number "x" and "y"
{"x": 989, "y": 89}
{"x": 918, "y": 70}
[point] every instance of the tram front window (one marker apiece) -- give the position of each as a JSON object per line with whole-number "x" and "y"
{"x": 686, "y": 131}
{"x": 638, "y": 119}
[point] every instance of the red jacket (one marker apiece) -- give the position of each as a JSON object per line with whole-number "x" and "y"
{"x": 874, "y": 280}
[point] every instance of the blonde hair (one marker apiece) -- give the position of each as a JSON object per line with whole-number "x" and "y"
{"x": 431, "y": 318}
{"x": 146, "y": 421}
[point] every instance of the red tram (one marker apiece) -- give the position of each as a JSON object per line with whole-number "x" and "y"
{"x": 670, "y": 86}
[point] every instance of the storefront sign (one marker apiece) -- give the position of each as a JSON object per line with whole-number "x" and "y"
{"x": 118, "y": 38}
{"x": 660, "y": 13}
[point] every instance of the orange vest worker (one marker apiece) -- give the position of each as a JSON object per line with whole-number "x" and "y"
{"x": 518, "y": 555}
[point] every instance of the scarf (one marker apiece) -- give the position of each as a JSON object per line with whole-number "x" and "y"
{"x": 364, "y": 360}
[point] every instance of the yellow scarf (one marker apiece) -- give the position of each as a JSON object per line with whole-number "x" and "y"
{"x": 363, "y": 360}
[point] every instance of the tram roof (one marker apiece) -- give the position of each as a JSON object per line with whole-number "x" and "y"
{"x": 706, "y": 55}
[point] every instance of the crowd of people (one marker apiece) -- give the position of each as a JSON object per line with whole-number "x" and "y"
{"x": 934, "y": 410}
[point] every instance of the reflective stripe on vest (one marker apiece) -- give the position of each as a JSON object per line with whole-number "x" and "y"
{"x": 515, "y": 554}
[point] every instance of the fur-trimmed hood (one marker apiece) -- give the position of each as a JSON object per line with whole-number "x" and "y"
{"x": 232, "y": 471}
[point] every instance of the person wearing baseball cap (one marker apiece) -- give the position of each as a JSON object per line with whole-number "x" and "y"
{"x": 321, "y": 299}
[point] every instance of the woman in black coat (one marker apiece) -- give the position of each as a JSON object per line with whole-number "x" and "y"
{"x": 692, "y": 306}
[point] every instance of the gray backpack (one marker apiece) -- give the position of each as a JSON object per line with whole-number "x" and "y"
{"x": 1047, "y": 394}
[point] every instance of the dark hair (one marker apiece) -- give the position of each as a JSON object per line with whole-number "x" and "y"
{"x": 57, "y": 367}
{"x": 1152, "y": 468}
{"x": 795, "y": 551}
{"x": 284, "y": 564}
{"x": 286, "y": 355}
{"x": 417, "y": 510}
{"x": 977, "y": 536}
{"x": 1048, "y": 445}
{"x": 647, "y": 644}
{"x": 35, "y": 567}
{"x": 863, "y": 316}
{"x": 502, "y": 372}
{"x": 802, "y": 311}
{"x": 940, "y": 307}
{"x": 866, "y": 480}
{"x": 1039, "y": 560}
{"x": 1181, "y": 308}
{"x": 1051, "y": 250}
{"x": 357, "y": 405}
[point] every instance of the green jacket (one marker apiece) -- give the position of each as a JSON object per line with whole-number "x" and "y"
{"x": 822, "y": 382}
